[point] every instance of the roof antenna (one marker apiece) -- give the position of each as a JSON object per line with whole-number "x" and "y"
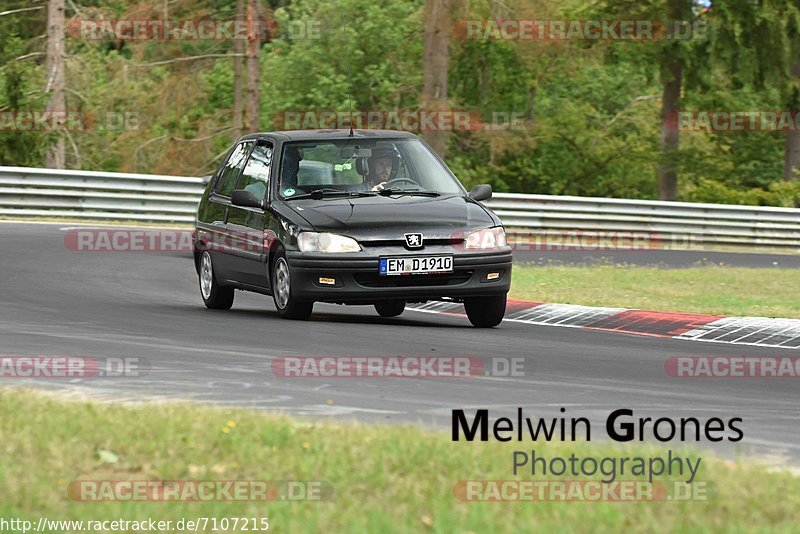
{"x": 347, "y": 67}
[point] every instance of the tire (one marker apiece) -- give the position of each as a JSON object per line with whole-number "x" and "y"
{"x": 485, "y": 312}
{"x": 215, "y": 296}
{"x": 390, "y": 308}
{"x": 287, "y": 306}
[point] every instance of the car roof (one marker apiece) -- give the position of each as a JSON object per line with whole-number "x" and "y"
{"x": 322, "y": 135}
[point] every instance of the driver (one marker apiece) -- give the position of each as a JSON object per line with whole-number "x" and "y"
{"x": 382, "y": 167}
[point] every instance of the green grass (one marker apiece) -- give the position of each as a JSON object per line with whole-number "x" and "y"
{"x": 385, "y": 479}
{"x": 710, "y": 289}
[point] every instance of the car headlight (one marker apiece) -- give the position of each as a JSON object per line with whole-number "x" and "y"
{"x": 485, "y": 239}
{"x": 323, "y": 242}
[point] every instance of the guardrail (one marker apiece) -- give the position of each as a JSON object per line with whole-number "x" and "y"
{"x": 679, "y": 223}
{"x": 28, "y": 192}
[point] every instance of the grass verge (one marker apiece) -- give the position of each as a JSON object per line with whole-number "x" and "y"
{"x": 712, "y": 289}
{"x": 385, "y": 479}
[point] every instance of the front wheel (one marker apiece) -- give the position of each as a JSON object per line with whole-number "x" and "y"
{"x": 485, "y": 312}
{"x": 215, "y": 296}
{"x": 390, "y": 308}
{"x": 286, "y": 304}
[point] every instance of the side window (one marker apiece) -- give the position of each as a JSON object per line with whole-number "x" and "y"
{"x": 255, "y": 177}
{"x": 226, "y": 182}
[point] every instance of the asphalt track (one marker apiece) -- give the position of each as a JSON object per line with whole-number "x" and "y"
{"x": 147, "y": 305}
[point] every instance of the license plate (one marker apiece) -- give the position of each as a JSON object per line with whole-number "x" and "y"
{"x": 423, "y": 265}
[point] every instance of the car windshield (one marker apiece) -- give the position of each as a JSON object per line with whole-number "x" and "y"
{"x": 357, "y": 166}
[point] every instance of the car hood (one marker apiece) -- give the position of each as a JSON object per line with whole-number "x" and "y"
{"x": 381, "y": 217}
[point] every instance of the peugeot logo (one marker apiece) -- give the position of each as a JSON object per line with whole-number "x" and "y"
{"x": 414, "y": 240}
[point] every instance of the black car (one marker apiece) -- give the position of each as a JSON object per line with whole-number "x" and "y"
{"x": 365, "y": 217}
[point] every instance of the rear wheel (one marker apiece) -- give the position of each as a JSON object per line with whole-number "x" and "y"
{"x": 485, "y": 312}
{"x": 215, "y": 296}
{"x": 390, "y": 308}
{"x": 286, "y": 304}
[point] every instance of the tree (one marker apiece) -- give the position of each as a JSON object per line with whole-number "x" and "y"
{"x": 436, "y": 62}
{"x": 791, "y": 167}
{"x": 238, "y": 67}
{"x": 758, "y": 43}
{"x": 672, "y": 66}
{"x": 253, "y": 47}
{"x": 54, "y": 73}
{"x": 310, "y": 74}
{"x": 791, "y": 159}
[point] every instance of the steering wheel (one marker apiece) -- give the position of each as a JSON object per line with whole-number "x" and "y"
{"x": 402, "y": 180}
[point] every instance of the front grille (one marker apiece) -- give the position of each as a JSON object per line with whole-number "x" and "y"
{"x": 402, "y": 244}
{"x": 414, "y": 280}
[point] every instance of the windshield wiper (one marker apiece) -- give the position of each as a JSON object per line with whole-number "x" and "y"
{"x": 317, "y": 194}
{"x": 389, "y": 192}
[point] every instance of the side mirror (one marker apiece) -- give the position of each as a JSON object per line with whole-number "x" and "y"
{"x": 481, "y": 192}
{"x": 245, "y": 199}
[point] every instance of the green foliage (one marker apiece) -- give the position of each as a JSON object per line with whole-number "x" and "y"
{"x": 385, "y": 52}
{"x": 586, "y": 115}
{"x": 594, "y": 136}
{"x": 19, "y": 91}
{"x": 785, "y": 194}
{"x": 489, "y": 75}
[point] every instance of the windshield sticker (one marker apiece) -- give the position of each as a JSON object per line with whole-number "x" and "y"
{"x": 289, "y": 192}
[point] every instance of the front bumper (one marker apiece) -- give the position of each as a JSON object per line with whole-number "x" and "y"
{"x": 356, "y": 280}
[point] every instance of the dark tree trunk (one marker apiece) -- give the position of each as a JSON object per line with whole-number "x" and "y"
{"x": 791, "y": 163}
{"x": 670, "y": 136}
{"x": 238, "y": 68}
{"x": 436, "y": 60}
{"x": 54, "y": 73}
{"x": 672, "y": 73}
{"x": 253, "y": 48}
